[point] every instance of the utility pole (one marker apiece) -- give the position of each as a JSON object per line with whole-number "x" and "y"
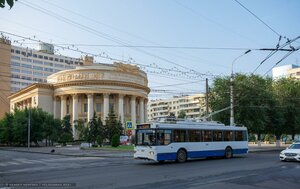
{"x": 206, "y": 97}
{"x": 28, "y": 135}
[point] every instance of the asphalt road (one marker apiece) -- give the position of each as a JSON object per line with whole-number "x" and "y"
{"x": 253, "y": 171}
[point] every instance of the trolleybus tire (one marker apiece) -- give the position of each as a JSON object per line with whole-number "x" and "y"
{"x": 181, "y": 156}
{"x": 228, "y": 152}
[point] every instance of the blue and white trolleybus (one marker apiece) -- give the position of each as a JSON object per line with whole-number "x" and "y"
{"x": 182, "y": 140}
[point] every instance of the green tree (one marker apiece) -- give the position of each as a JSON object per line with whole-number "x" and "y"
{"x": 112, "y": 126}
{"x": 251, "y": 96}
{"x": 182, "y": 114}
{"x": 80, "y": 129}
{"x": 95, "y": 128}
{"x": 6, "y": 130}
{"x": 66, "y": 134}
{"x": 219, "y": 98}
{"x": 287, "y": 91}
{"x": 20, "y": 126}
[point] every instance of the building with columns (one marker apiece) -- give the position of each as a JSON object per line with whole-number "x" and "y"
{"x": 84, "y": 90}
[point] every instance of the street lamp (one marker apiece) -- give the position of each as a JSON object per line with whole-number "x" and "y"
{"x": 231, "y": 88}
{"x": 28, "y": 129}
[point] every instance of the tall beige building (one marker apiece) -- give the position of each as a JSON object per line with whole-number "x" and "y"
{"x": 21, "y": 67}
{"x": 86, "y": 89}
{"x": 194, "y": 106}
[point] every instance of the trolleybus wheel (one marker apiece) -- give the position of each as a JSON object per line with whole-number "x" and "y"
{"x": 228, "y": 152}
{"x": 181, "y": 156}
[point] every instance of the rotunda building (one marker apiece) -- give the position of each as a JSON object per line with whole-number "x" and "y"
{"x": 89, "y": 89}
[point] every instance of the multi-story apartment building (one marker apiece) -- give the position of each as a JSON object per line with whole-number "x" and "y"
{"x": 21, "y": 66}
{"x": 194, "y": 106}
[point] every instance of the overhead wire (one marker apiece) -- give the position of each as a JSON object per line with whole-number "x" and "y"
{"x": 134, "y": 35}
{"x": 288, "y": 42}
{"x": 257, "y": 18}
{"x": 96, "y": 32}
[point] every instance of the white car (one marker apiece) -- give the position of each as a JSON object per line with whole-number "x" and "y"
{"x": 292, "y": 153}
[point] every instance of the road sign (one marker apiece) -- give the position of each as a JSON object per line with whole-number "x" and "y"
{"x": 129, "y": 125}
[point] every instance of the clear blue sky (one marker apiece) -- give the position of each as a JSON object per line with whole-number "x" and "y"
{"x": 172, "y": 23}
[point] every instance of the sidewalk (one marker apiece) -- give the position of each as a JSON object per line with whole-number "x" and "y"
{"x": 72, "y": 151}
{"x": 76, "y": 151}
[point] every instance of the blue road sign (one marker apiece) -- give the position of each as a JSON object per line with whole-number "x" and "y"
{"x": 129, "y": 125}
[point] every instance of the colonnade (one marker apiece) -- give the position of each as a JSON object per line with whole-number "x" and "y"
{"x": 136, "y": 107}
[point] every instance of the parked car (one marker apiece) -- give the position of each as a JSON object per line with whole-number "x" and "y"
{"x": 292, "y": 153}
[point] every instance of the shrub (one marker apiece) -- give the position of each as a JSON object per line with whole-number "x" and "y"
{"x": 115, "y": 141}
{"x": 65, "y": 137}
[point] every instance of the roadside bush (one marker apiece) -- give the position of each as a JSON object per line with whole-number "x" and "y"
{"x": 99, "y": 140}
{"x": 65, "y": 137}
{"x": 115, "y": 141}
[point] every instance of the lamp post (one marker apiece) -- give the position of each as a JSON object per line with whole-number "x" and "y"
{"x": 28, "y": 129}
{"x": 231, "y": 88}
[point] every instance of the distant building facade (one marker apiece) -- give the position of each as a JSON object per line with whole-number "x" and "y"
{"x": 84, "y": 90}
{"x": 21, "y": 67}
{"x": 194, "y": 106}
{"x": 289, "y": 70}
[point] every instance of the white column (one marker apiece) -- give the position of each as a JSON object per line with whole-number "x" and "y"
{"x": 54, "y": 107}
{"x": 74, "y": 114}
{"x": 90, "y": 107}
{"x": 142, "y": 109}
{"x": 133, "y": 110}
{"x": 105, "y": 106}
{"x": 145, "y": 110}
{"x": 121, "y": 108}
{"x": 63, "y": 107}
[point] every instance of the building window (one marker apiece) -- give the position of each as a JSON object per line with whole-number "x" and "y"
{"x": 15, "y": 70}
{"x": 51, "y": 58}
{"x": 35, "y": 55}
{"x": 18, "y": 52}
{"x": 15, "y": 63}
{"x": 98, "y": 107}
{"x": 111, "y": 106}
{"x": 12, "y": 50}
{"x": 38, "y": 61}
{"x": 85, "y": 107}
{"x": 15, "y": 57}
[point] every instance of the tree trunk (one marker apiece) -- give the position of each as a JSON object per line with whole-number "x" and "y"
{"x": 293, "y": 136}
{"x": 278, "y": 140}
{"x": 258, "y": 140}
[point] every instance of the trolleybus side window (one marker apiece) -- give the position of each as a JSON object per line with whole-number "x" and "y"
{"x": 207, "y": 136}
{"x": 194, "y": 135}
{"x": 228, "y": 136}
{"x": 163, "y": 137}
{"x": 240, "y": 136}
{"x": 218, "y": 136}
{"x": 179, "y": 136}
